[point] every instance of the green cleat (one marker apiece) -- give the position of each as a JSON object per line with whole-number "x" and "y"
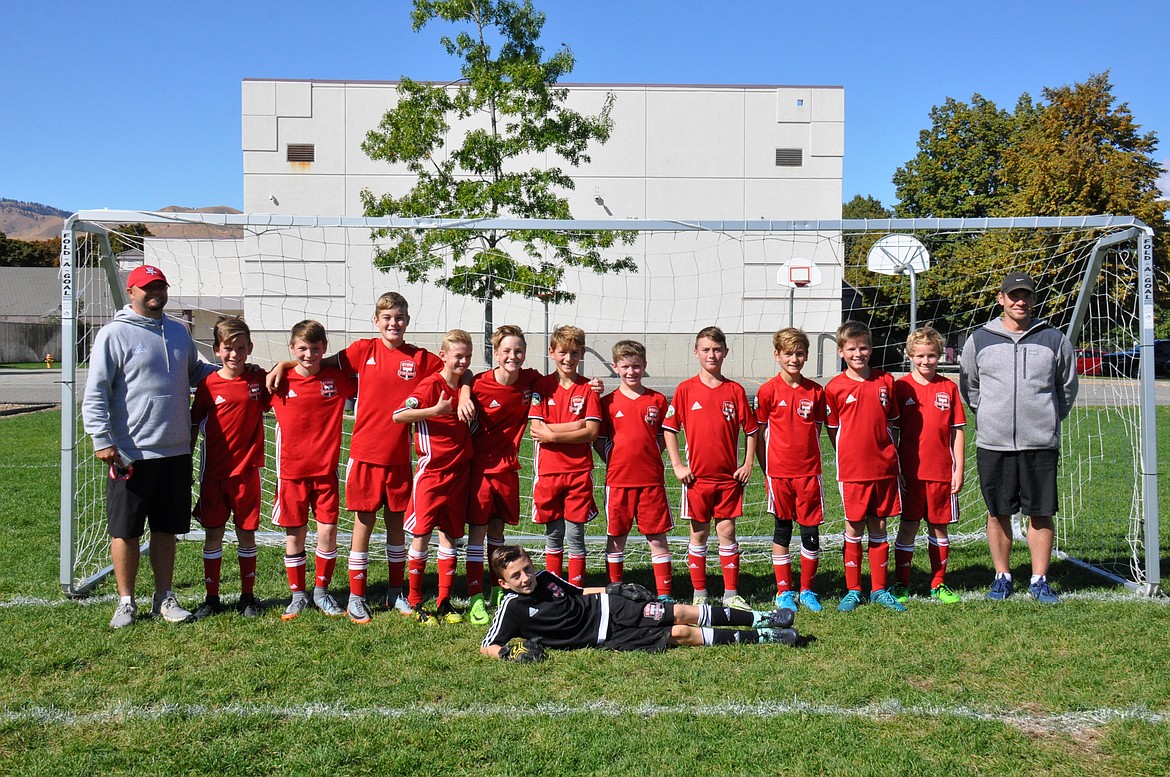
{"x": 945, "y": 595}
{"x": 900, "y": 592}
{"x": 477, "y": 613}
{"x": 448, "y": 613}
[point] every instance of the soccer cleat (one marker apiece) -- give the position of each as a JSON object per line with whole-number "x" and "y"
{"x": 169, "y": 609}
{"x": 124, "y": 615}
{"x": 900, "y": 592}
{"x": 448, "y": 613}
{"x": 498, "y": 593}
{"x": 700, "y": 598}
{"x": 477, "y": 613}
{"x": 211, "y": 606}
{"x": 851, "y": 602}
{"x": 785, "y": 601}
{"x": 945, "y": 595}
{"x": 358, "y": 611}
{"x": 401, "y": 606}
{"x": 776, "y": 619}
{"x": 886, "y": 599}
{"x": 423, "y": 617}
{"x": 667, "y": 599}
{"x": 327, "y": 605}
{"x": 736, "y": 602}
{"x": 295, "y": 608}
{"x": 779, "y": 636}
{"x": 248, "y": 606}
{"x": 1042, "y": 593}
{"x": 1001, "y": 589}
{"x": 810, "y": 601}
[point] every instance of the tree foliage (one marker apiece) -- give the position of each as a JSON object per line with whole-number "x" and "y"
{"x": 507, "y": 109}
{"x": 29, "y": 253}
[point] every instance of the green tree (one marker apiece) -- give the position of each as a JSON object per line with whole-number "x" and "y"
{"x": 507, "y": 97}
{"x": 29, "y": 253}
{"x": 127, "y": 236}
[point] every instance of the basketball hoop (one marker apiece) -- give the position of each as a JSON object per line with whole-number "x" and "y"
{"x": 799, "y": 276}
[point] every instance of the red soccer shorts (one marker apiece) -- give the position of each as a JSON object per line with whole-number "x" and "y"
{"x": 439, "y": 502}
{"x": 799, "y": 499}
{"x": 295, "y": 498}
{"x": 565, "y": 495}
{"x": 929, "y": 499}
{"x": 646, "y": 504}
{"x": 705, "y": 500}
{"x": 878, "y": 498}
{"x": 494, "y": 495}
{"x": 369, "y": 487}
{"x": 238, "y": 496}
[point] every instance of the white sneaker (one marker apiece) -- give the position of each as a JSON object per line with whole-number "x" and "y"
{"x": 124, "y": 616}
{"x": 736, "y": 602}
{"x": 402, "y": 606}
{"x": 169, "y": 609}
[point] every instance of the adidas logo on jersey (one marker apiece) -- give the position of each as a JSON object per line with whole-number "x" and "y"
{"x": 219, "y": 400}
{"x": 371, "y": 360}
{"x": 292, "y": 394}
{"x": 619, "y": 414}
{"x": 909, "y": 401}
{"x": 494, "y": 404}
{"x": 551, "y": 403}
{"x": 849, "y": 399}
{"x": 783, "y": 403}
{"x": 532, "y": 612}
{"x": 696, "y": 406}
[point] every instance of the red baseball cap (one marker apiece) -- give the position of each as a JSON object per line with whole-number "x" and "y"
{"x": 141, "y": 276}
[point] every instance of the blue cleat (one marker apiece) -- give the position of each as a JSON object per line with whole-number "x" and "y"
{"x": 1042, "y": 593}
{"x": 851, "y": 602}
{"x": 785, "y": 601}
{"x": 810, "y": 601}
{"x": 1001, "y": 589}
{"x": 886, "y": 599}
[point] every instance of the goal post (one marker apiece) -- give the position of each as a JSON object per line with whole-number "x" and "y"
{"x": 1094, "y": 275}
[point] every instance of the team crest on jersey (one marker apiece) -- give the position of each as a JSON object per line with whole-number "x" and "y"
{"x": 406, "y": 370}
{"x": 328, "y": 388}
{"x": 555, "y": 590}
{"x": 411, "y": 403}
{"x": 254, "y": 391}
{"x": 654, "y": 611}
{"x": 576, "y": 405}
{"x": 651, "y": 415}
{"x": 729, "y": 409}
{"x": 884, "y": 396}
{"x": 527, "y": 394}
{"x": 670, "y": 412}
{"x": 804, "y": 408}
{"x": 942, "y": 401}
{"x": 534, "y": 400}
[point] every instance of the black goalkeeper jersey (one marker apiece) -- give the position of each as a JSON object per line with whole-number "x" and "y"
{"x": 556, "y": 611}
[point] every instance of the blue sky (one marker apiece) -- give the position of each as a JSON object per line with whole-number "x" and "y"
{"x": 137, "y": 104}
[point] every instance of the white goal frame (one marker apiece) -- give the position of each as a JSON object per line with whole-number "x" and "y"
{"x": 1120, "y": 229}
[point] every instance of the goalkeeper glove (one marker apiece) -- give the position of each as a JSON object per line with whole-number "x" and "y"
{"x": 523, "y": 651}
{"x": 631, "y": 591}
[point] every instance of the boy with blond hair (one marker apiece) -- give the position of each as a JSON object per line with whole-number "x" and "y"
{"x": 439, "y": 498}
{"x": 565, "y": 417}
{"x": 930, "y": 449}
{"x": 229, "y": 409}
{"x": 309, "y": 405}
{"x": 631, "y": 443}
{"x": 861, "y": 408}
{"x": 790, "y": 409}
{"x": 712, "y": 410}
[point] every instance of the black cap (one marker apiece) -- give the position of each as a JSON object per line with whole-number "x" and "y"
{"x": 1017, "y": 280}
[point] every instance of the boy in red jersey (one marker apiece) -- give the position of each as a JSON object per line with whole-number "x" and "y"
{"x": 565, "y": 417}
{"x": 631, "y": 443}
{"x": 931, "y": 452}
{"x": 439, "y": 498}
{"x": 229, "y": 409}
{"x": 791, "y": 409}
{"x": 309, "y": 405}
{"x": 861, "y": 408}
{"x": 712, "y": 410}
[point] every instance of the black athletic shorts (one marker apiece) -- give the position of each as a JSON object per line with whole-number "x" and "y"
{"x": 158, "y": 491}
{"x": 1018, "y": 481}
{"x": 639, "y": 626}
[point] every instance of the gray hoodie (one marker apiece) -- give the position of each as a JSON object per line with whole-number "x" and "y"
{"x": 138, "y": 393}
{"x": 1019, "y": 385}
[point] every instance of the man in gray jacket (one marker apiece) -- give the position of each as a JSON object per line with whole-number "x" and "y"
{"x": 1019, "y": 377}
{"x": 136, "y": 408}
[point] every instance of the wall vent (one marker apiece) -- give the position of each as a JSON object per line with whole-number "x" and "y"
{"x": 787, "y": 157}
{"x": 306, "y": 152}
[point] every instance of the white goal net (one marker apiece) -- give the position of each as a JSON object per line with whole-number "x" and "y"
{"x": 749, "y": 278}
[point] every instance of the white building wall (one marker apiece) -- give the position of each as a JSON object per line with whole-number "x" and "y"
{"x": 682, "y": 152}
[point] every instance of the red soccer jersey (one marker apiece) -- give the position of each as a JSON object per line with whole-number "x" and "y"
{"x": 929, "y": 413}
{"x": 711, "y": 418}
{"x": 502, "y": 413}
{"x": 231, "y": 414}
{"x": 555, "y": 405}
{"x": 792, "y": 416}
{"x": 442, "y": 442}
{"x": 388, "y": 377}
{"x": 861, "y": 412}
{"x": 308, "y": 422}
{"x": 631, "y": 428}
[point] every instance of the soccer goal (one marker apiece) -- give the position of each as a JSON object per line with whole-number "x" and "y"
{"x": 1095, "y": 278}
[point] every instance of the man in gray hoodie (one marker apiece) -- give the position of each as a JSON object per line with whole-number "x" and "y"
{"x": 136, "y": 408}
{"x": 1019, "y": 377}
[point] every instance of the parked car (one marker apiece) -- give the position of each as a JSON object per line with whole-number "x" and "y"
{"x": 1089, "y": 361}
{"x": 1124, "y": 364}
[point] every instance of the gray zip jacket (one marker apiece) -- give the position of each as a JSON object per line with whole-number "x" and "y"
{"x": 138, "y": 392}
{"x": 1020, "y": 386}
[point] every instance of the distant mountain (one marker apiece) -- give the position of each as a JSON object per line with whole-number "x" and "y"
{"x": 30, "y": 220}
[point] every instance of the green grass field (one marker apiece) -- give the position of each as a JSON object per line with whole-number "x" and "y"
{"x": 974, "y": 688}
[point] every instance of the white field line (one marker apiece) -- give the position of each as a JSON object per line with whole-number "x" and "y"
{"x": 1070, "y": 722}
